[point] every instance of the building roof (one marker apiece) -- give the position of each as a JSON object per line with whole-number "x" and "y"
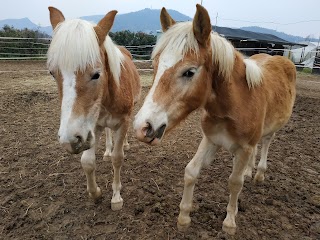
{"x": 239, "y": 34}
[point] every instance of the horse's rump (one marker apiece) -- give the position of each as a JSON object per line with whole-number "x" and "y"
{"x": 278, "y": 89}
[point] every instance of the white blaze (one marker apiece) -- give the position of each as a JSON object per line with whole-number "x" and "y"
{"x": 150, "y": 111}
{"x": 69, "y": 95}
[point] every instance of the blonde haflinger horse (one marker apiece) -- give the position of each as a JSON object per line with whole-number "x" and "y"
{"x": 98, "y": 85}
{"x": 243, "y": 101}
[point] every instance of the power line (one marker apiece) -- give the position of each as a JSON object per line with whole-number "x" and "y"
{"x": 270, "y": 22}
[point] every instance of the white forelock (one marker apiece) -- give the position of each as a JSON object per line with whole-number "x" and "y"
{"x": 179, "y": 39}
{"x": 74, "y": 46}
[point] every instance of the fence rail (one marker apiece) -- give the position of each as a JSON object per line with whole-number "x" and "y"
{"x": 12, "y": 48}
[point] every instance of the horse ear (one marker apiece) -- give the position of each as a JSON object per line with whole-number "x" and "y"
{"x": 166, "y": 20}
{"x": 201, "y": 25}
{"x": 104, "y": 26}
{"x": 56, "y": 17}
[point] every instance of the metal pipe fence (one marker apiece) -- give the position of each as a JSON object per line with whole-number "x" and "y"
{"x": 12, "y": 48}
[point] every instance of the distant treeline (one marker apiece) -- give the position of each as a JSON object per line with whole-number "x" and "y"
{"x": 138, "y": 43}
{"x": 33, "y": 44}
{"x": 32, "y": 47}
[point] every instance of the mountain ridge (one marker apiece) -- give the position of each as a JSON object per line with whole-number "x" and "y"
{"x": 285, "y": 36}
{"x": 136, "y": 21}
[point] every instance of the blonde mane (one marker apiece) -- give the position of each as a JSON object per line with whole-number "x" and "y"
{"x": 253, "y": 73}
{"x": 179, "y": 39}
{"x": 74, "y": 46}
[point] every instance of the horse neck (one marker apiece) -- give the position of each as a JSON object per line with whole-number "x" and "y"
{"x": 118, "y": 99}
{"x": 111, "y": 89}
{"x": 227, "y": 92}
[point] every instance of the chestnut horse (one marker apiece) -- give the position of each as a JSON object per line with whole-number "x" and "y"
{"x": 243, "y": 101}
{"x": 98, "y": 85}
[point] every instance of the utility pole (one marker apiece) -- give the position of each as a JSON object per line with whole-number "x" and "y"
{"x": 201, "y": 2}
{"x": 215, "y": 26}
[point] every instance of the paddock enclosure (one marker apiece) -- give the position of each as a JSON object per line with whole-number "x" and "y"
{"x": 43, "y": 188}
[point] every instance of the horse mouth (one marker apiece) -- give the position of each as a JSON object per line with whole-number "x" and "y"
{"x": 78, "y": 145}
{"x": 156, "y": 139}
{"x": 76, "y": 149}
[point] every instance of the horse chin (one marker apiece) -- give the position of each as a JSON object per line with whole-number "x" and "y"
{"x": 77, "y": 149}
{"x": 155, "y": 141}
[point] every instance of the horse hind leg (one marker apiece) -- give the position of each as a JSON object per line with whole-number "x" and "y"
{"x": 251, "y": 163}
{"x": 108, "y": 151}
{"x": 262, "y": 166}
{"x": 126, "y": 145}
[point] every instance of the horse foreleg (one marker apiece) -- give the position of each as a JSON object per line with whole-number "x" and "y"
{"x": 108, "y": 151}
{"x": 88, "y": 162}
{"x": 117, "y": 157}
{"x": 262, "y": 166}
{"x": 236, "y": 180}
{"x": 204, "y": 154}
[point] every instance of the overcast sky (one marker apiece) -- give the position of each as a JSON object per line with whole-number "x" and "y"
{"x": 295, "y": 17}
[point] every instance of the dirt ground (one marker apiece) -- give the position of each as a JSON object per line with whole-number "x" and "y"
{"x": 43, "y": 188}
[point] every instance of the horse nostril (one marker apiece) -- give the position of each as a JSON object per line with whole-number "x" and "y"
{"x": 79, "y": 140}
{"x": 149, "y": 130}
{"x": 160, "y": 131}
{"x": 90, "y": 136}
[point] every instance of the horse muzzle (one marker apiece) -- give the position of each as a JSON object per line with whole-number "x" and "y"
{"x": 149, "y": 135}
{"x": 77, "y": 144}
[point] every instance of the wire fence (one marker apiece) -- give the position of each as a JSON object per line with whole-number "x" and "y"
{"x": 12, "y": 48}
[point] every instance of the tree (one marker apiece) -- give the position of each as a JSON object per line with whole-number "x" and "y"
{"x": 139, "y": 44}
{"x": 33, "y": 47}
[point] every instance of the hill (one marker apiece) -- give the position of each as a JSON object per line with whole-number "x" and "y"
{"x": 18, "y": 23}
{"x": 134, "y": 21}
{"x": 146, "y": 20}
{"x": 285, "y": 36}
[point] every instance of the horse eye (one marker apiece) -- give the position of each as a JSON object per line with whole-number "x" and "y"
{"x": 95, "y": 76}
{"x": 189, "y": 73}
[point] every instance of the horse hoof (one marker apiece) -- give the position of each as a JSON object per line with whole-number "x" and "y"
{"x": 229, "y": 230}
{"x": 248, "y": 174}
{"x": 116, "y": 206}
{"x": 107, "y": 153}
{"x": 126, "y": 147}
{"x": 258, "y": 179}
{"x": 95, "y": 196}
{"x": 183, "y": 228}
